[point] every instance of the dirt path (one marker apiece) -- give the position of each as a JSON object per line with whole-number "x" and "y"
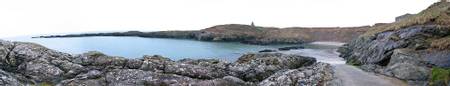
{"x": 348, "y": 75}
{"x": 352, "y": 76}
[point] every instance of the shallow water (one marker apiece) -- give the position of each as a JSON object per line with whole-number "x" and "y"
{"x": 136, "y": 47}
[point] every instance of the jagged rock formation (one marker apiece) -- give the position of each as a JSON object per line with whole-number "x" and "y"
{"x": 248, "y": 34}
{"x": 408, "y": 49}
{"x": 23, "y": 64}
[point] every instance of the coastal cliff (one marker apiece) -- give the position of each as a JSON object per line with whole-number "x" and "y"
{"x": 24, "y": 64}
{"x": 415, "y": 48}
{"x": 247, "y": 34}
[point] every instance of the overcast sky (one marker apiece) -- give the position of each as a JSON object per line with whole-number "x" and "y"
{"x": 30, "y": 17}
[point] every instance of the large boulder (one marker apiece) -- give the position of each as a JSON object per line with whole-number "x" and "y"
{"x": 407, "y": 65}
{"x": 256, "y": 67}
{"x": 98, "y": 60}
{"x": 318, "y": 74}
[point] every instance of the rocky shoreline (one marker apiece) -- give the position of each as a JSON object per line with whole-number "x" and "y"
{"x": 246, "y": 34}
{"x": 415, "y": 49}
{"x": 25, "y": 64}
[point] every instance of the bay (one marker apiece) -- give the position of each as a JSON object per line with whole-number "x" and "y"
{"x": 136, "y": 47}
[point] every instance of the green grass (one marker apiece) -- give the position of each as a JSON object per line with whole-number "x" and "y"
{"x": 353, "y": 62}
{"x": 437, "y": 13}
{"x": 440, "y": 75}
{"x": 95, "y": 54}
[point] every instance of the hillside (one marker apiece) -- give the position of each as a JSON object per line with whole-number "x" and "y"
{"x": 415, "y": 49}
{"x": 247, "y": 34}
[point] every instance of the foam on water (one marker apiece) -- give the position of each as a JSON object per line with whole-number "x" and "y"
{"x": 326, "y": 55}
{"x": 328, "y": 43}
{"x": 322, "y": 55}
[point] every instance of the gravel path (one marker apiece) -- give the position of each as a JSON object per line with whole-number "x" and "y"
{"x": 348, "y": 75}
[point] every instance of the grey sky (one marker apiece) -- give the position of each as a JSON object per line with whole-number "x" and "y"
{"x": 27, "y": 17}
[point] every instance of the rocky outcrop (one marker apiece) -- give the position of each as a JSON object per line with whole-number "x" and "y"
{"x": 404, "y": 16}
{"x": 8, "y": 79}
{"x": 256, "y": 67}
{"x": 25, "y": 64}
{"x": 306, "y": 76}
{"x": 407, "y": 49}
{"x": 160, "y": 34}
{"x": 247, "y": 34}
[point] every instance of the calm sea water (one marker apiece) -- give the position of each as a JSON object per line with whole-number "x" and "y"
{"x": 136, "y": 47}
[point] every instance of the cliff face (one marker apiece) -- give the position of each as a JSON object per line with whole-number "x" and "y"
{"x": 413, "y": 48}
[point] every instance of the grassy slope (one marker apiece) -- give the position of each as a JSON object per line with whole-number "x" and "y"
{"x": 437, "y": 13}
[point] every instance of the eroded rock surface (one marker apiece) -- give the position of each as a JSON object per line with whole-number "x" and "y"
{"x": 32, "y": 64}
{"x": 306, "y": 76}
{"x": 406, "y": 49}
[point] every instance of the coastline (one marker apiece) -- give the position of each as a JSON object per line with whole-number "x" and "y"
{"x": 246, "y": 34}
{"x": 47, "y": 66}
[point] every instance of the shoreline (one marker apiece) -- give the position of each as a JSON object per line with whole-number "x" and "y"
{"x": 245, "y": 34}
{"x": 51, "y": 67}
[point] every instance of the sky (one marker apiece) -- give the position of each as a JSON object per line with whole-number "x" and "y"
{"x": 33, "y": 17}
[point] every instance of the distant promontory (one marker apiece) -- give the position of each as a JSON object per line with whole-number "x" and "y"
{"x": 246, "y": 34}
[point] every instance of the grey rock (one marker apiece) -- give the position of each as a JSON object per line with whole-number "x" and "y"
{"x": 90, "y": 75}
{"x": 405, "y": 53}
{"x": 41, "y": 71}
{"x": 215, "y": 63}
{"x": 408, "y": 66}
{"x": 99, "y": 61}
{"x": 155, "y": 63}
{"x": 83, "y": 82}
{"x": 195, "y": 71}
{"x": 225, "y": 81}
{"x": 33, "y": 64}
{"x": 318, "y": 74}
{"x": 133, "y": 77}
{"x": 256, "y": 67}
{"x": 378, "y": 49}
{"x": 267, "y": 50}
{"x": 70, "y": 69}
{"x": 134, "y": 63}
{"x": 7, "y": 79}
{"x": 6, "y": 56}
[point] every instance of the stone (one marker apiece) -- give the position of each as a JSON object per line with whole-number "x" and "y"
{"x": 133, "y": 77}
{"x": 290, "y": 48}
{"x": 32, "y": 64}
{"x": 7, "y": 79}
{"x": 41, "y": 71}
{"x": 134, "y": 63}
{"x": 195, "y": 71}
{"x": 256, "y": 67}
{"x": 267, "y": 50}
{"x": 407, "y": 65}
{"x": 318, "y": 74}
